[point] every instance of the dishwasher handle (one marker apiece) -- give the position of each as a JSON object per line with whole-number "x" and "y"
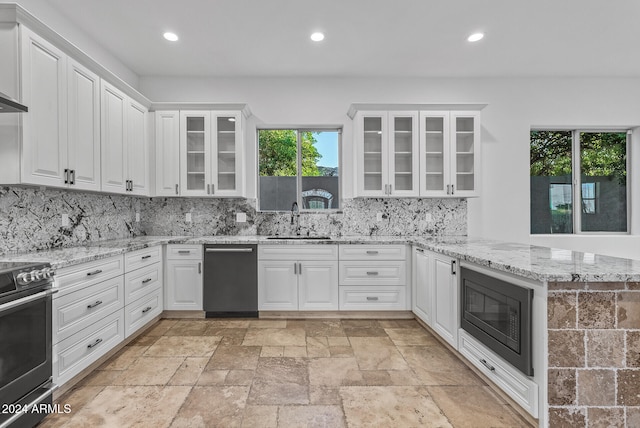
{"x": 229, "y": 250}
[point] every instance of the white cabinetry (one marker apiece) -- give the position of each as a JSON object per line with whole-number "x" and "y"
{"x": 183, "y": 290}
{"x": 211, "y": 153}
{"x": 295, "y": 277}
{"x": 142, "y": 288}
{"x": 387, "y": 154}
{"x": 125, "y": 160}
{"x": 449, "y": 153}
{"x": 373, "y": 277}
{"x": 167, "y": 153}
{"x": 422, "y": 285}
{"x": 445, "y": 302}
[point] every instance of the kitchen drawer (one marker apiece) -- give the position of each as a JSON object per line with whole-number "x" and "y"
{"x": 369, "y": 273}
{"x": 184, "y": 252}
{"x": 356, "y": 298}
{"x": 373, "y": 252}
{"x": 140, "y": 312}
{"x": 78, "y": 310}
{"x": 516, "y": 385}
{"x": 298, "y": 252}
{"x": 77, "y": 352}
{"x": 73, "y": 278}
{"x": 141, "y": 258}
{"x": 141, "y": 282}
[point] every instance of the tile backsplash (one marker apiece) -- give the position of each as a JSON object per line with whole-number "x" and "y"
{"x": 31, "y": 218}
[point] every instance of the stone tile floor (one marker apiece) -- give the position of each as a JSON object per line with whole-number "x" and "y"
{"x": 284, "y": 373}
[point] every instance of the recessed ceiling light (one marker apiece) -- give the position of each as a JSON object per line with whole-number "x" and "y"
{"x": 475, "y": 37}
{"x": 317, "y": 37}
{"x": 172, "y": 37}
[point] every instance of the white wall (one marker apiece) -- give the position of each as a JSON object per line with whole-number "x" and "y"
{"x": 514, "y": 106}
{"x": 43, "y": 11}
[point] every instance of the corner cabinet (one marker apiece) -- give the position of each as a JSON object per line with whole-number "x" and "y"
{"x": 387, "y": 145}
{"x": 449, "y": 153}
{"x": 211, "y": 153}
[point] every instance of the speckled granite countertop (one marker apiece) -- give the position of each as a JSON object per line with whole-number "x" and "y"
{"x": 529, "y": 261}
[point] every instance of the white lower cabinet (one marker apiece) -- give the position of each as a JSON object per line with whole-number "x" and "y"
{"x": 142, "y": 288}
{"x": 422, "y": 288}
{"x": 445, "y": 288}
{"x": 183, "y": 291}
{"x": 301, "y": 278}
{"x": 143, "y": 310}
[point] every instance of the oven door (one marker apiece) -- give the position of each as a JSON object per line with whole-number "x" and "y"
{"x": 25, "y": 354}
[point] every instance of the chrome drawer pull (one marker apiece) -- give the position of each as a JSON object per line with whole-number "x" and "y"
{"x": 146, "y": 280}
{"x": 148, "y": 256}
{"x": 94, "y": 344}
{"x": 93, "y": 305}
{"x": 487, "y": 365}
{"x": 372, "y": 273}
{"x": 95, "y": 272}
{"x": 147, "y": 309}
{"x": 372, "y": 253}
{"x": 184, "y": 251}
{"x": 372, "y": 298}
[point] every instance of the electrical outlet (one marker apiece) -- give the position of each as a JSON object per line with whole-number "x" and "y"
{"x": 241, "y": 217}
{"x": 379, "y": 217}
{"x": 187, "y": 218}
{"x": 65, "y": 220}
{"x": 428, "y": 217}
{"x": 137, "y": 217}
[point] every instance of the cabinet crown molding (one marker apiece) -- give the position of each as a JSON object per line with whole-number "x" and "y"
{"x": 356, "y": 107}
{"x": 202, "y": 106}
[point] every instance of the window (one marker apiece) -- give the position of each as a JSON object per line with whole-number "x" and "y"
{"x": 585, "y": 169}
{"x": 298, "y": 165}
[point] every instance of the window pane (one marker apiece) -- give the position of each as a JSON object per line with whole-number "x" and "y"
{"x": 320, "y": 183}
{"x": 278, "y": 168}
{"x": 550, "y": 186}
{"x": 603, "y": 173}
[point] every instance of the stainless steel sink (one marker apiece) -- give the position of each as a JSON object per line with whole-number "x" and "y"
{"x": 301, "y": 237}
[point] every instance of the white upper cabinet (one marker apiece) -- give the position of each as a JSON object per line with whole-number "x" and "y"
{"x": 125, "y": 160}
{"x": 387, "y": 144}
{"x": 211, "y": 153}
{"x": 43, "y": 79}
{"x": 167, "y": 153}
{"x": 449, "y": 153}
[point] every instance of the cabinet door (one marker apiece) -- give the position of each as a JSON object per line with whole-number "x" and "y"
{"x": 318, "y": 285}
{"x": 372, "y": 146}
{"x": 137, "y": 148}
{"x": 43, "y": 76}
{"x": 465, "y": 152}
{"x": 277, "y": 285}
{"x": 445, "y": 283}
{"x": 184, "y": 285}
{"x": 84, "y": 127}
{"x": 167, "y": 153}
{"x": 403, "y": 154}
{"x": 226, "y": 154}
{"x": 435, "y": 161}
{"x": 113, "y": 139}
{"x": 195, "y": 153}
{"x": 422, "y": 285}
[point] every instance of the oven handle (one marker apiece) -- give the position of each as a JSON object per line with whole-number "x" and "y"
{"x": 28, "y": 407}
{"x": 13, "y": 304}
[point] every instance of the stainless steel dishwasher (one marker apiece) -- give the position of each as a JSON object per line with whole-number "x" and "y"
{"x": 230, "y": 280}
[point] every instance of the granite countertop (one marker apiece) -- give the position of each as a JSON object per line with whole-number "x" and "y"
{"x": 529, "y": 261}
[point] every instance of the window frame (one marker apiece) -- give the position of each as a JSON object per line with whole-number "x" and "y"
{"x": 576, "y": 181}
{"x": 299, "y": 130}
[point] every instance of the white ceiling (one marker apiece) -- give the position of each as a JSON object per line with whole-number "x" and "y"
{"x": 366, "y": 38}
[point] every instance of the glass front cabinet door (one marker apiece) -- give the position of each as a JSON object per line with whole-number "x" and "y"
{"x": 449, "y": 153}
{"x": 388, "y": 157}
{"x": 210, "y": 153}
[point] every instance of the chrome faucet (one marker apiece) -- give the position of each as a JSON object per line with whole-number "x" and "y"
{"x": 295, "y": 211}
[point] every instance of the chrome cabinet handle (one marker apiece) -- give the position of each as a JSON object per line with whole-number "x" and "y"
{"x": 200, "y": 267}
{"x": 95, "y": 272}
{"x": 72, "y": 180}
{"x": 94, "y": 344}
{"x": 390, "y": 189}
{"x": 148, "y": 256}
{"x": 66, "y": 176}
{"x": 300, "y": 268}
{"x": 147, "y": 309}
{"x": 420, "y": 250}
{"x": 452, "y": 188}
{"x": 184, "y": 251}
{"x": 372, "y": 298}
{"x": 448, "y": 189}
{"x": 208, "y": 189}
{"x": 487, "y": 365}
{"x": 144, "y": 281}
{"x": 372, "y": 253}
{"x": 295, "y": 268}
{"x": 93, "y": 305}
{"x": 213, "y": 189}
{"x": 453, "y": 267}
{"x": 177, "y": 190}
{"x": 372, "y": 273}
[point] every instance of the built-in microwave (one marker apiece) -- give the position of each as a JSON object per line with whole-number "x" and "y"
{"x": 498, "y": 314}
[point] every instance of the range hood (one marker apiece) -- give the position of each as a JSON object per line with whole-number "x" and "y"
{"x": 8, "y": 105}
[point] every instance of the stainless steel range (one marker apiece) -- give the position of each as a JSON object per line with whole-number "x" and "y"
{"x": 26, "y": 385}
